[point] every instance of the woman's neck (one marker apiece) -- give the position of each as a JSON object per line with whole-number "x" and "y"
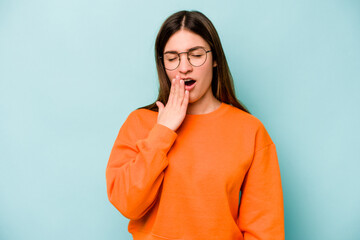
{"x": 203, "y": 106}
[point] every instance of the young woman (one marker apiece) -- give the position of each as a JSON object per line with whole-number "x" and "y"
{"x": 195, "y": 164}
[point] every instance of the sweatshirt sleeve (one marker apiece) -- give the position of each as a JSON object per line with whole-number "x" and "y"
{"x": 261, "y": 213}
{"x": 134, "y": 172}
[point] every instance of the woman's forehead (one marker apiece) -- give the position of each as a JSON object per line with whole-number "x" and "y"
{"x": 183, "y": 40}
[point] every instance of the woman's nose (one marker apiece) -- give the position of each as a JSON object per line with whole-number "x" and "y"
{"x": 184, "y": 65}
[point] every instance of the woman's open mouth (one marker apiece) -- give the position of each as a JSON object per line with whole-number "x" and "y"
{"x": 190, "y": 84}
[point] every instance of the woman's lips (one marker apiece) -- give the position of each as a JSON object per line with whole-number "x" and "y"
{"x": 189, "y": 88}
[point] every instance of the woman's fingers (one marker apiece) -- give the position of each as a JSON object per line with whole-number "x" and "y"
{"x": 185, "y": 102}
{"x": 181, "y": 91}
{"x": 177, "y": 88}
{"x": 173, "y": 114}
{"x": 177, "y": 93}
{"x": 172, "y": 91}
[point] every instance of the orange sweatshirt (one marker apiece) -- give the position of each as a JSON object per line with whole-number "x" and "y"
{"x": 186, "y": 184}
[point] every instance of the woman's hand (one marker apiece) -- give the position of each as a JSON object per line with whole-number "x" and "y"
{"x": 173, "y": 114}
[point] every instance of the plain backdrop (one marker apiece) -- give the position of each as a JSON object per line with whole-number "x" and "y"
{"x": 72, "y": 71}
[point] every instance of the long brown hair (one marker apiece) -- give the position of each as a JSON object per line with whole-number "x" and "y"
{"x": 222, "y": 82}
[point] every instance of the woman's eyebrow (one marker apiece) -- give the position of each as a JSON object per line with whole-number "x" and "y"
{"x": 173, "y": 51}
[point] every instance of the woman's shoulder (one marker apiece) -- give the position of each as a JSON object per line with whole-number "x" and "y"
{"x": 138, "y": 123}
{"x": 139, "y": 112}
{"x": 240, "y": 116}
{"x": 141, "y": 117}
{"x": 250, "y": 124}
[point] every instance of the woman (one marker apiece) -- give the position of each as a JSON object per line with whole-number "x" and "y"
{"x": 178, "y": 166}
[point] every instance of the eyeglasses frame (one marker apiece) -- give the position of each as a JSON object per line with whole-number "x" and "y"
{"x": 187, "y": 56}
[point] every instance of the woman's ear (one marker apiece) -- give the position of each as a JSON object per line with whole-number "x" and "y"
{"x": 214, "y": 64}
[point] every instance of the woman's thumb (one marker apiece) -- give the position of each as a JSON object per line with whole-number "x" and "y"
{"x": 160, "y": 105}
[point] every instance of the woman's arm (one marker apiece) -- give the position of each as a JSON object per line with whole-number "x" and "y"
{"x": 135, "y": 169}
{"x": 261, "y": 214}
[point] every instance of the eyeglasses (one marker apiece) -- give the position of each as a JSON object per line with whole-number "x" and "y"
{"x": 196, "y": 56}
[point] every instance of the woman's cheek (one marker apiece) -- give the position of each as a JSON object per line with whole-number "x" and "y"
{"x": 171, "y": 76}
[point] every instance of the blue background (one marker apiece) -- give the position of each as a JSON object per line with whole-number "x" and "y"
{"x": 71, "y": 72}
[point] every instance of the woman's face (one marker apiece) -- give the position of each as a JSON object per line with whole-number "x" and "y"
{"x": 182, "y": 41}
